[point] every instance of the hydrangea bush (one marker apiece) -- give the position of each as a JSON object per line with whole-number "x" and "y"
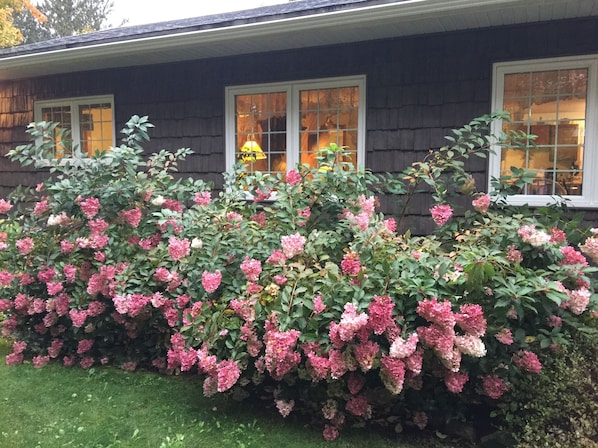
{"x": 294, "y": 288}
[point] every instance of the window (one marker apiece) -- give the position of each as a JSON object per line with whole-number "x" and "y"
{"x": 90, "y": 120}
{"x": 556, "y": 101}
{"x": 273, "y": 127}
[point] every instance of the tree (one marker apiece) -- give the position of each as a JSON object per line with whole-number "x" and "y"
{"x": 10, "y": 34}
{"x": 65, "y": 18}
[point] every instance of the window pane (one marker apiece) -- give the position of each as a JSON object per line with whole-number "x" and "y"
{"x": 62, "y": 115}
{"x": 328, "y": 116}
{"x": 261, "y": 131}
{"x": 95, "y": 126}
{"x": 552, "y": 106}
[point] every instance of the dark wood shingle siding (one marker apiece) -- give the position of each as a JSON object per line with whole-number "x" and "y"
{"x": 418, "y": 89}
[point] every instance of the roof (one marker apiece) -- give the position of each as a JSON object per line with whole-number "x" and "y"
{"x": 296, "y": 24}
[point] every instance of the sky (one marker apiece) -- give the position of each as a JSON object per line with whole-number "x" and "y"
{"x": 150, "y": 11}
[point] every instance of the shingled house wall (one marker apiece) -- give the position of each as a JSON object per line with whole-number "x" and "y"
{"x": 418, "y": 89}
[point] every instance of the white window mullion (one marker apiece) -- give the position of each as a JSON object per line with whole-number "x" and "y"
{"x": 293, "y": 128}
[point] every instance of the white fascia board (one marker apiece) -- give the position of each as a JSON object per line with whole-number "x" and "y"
{"x": 396, "y": 12}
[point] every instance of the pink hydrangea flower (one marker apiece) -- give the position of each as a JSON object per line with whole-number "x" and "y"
{"x": 470, "y": 345}
{"x": 358, "y": 405}
{"x": 590, "y": 248}
{"x": 504, "y": 336}
{"x": 578, "y": 301}
{"x": 455, "y": 381}
{"x": 318, "y": 367}
{"x": 277, "y": 258}
{"x": 128, "y": 366}
{"x": 494, "y": 386}
{"x": 54, "y": 288}
{"x": 390, "y": 224}
{"x": 260, "y": 219}
{"x": 330, "y": 433}
{"x": 173, "y": 204}
{"x": 55, "y": 347}
{"x": 420, "y": 419}
{"x": 252, "y": 269}
{"x": 403, "y": 348}
{"x": 392, "y": 373}
{"x": 5, "y": 305}
{"x": 557, "y": 235}
{"x": 5, "y": 206}
{"x": 514, "y": 255}
{"x": 58, "y": 220}
{"x": 292, "y": 245}
{"x": 338, "y": 363}
{"x": 78, "y": 317}
{"x": 361, "y": 220}
{"x": 254, "y": 288}
{"x": 528, "y": 361}
{"x": 350, "y": 264}
{"x": 6, "y": 278}
{"x": 293, "y": 177}
{"x": 19, "y": 347}
{"x": 132, "y": 217}
{"x": 98, "y": 226}
{"x": 202, "y": 198}
{"x": 304, "y": 213}
{"x": 280, "y": 356}
{"x": 84, "y": 346}
{"x": 554, "y": 321}
{"x": 437, "y": 312}
{"x": 95, "y": 308}
{"x": 535, "y": 237}
{"x": 25, "y": 245}
{"x": 228, "y": 374}
{"x": 285, "y": 407}
{"x": 40, "y": 208}
{"x": 162, "y": 274}
{"x": 365, "y": 354}
{"x": 355, "y": 382}
{"x": 380, "y": 313}
{"x": 90, "y": 207}
{"x": 87, "y": 362}
{"x": 178, "y": 248}
{"x": 70, "y": 273}
{"x": 471, "y": 319}
{"x": 441, "y": 340}
{"x": 66, "y": 247}
{"x": 481, "y": 203}
{"x": 211, "y": 280}
{"x": 318, "y": 304}
{"x": 572, "y": 256}
{"x": 280, "y": 279}
{"x": 441, "y": 213}
{"x": 39, "y": 361}
{"x": 351, "y": 322}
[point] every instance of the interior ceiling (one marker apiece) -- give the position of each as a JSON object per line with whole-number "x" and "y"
{"x": 388, "y": 20}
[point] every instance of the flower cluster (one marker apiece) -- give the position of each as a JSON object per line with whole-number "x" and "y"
{"x": 312, "y": 300}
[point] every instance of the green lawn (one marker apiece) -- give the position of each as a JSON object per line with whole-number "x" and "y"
{"x": 106, "y": 407}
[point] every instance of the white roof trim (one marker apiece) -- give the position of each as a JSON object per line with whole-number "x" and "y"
{"x": 348, "y": 25}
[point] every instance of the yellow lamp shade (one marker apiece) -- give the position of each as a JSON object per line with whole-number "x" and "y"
{"x": 252, "y": 151}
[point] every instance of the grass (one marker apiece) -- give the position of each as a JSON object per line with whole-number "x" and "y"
{"x": 106, "y": 407}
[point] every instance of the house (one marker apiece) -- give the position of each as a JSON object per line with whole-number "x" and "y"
{"x": 389, "y": 79}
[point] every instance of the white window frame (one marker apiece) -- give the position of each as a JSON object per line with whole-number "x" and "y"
{"x": 74, "y": 104}
{"x": 589, "y": 197}
{"x": 293, "y": 91}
